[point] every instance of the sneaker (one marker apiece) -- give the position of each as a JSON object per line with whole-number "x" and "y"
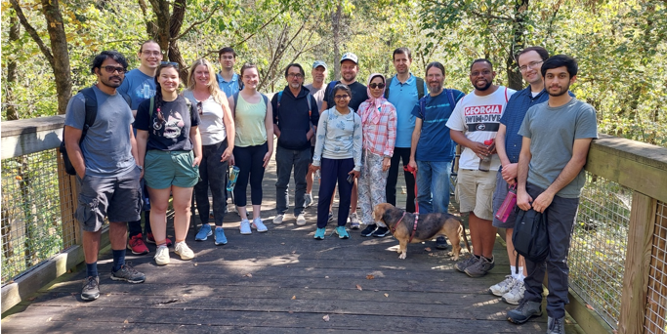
{"x": 204, "y": 232}
{"x": 319, "y": 233}
{"x": 503, "y": 287}
{"x": 330, "y": 217}
{"x": 184, "y": 251}
{"x": 151, "y": 239}
{"x": 91, "y": 288}
{"x": 555, "y": 326}
{"x": 342, "y": 232}
{"x": 480, "y": 268}
{"x": 526, "y": 310}
{"x": 136, "y": 245}
{"x": 515, "y": 295}
{"x": 220, "y": 238}
{"x": 162, "y": 256}
{"x": 127, "y": 273}
{"x": 354, "y": 221}
{"x": 381, "y": 232}
{"x": 309, "y": 200}
{"x": 245, "y": 227}
{"x": 300, "y": 220}
{"x": 368, "y": 231}
{"x": 259, "y": 225}
{"x": 279, "y": 219}
{"x": 441, "y": 243}
{"x": 464, "y": 264}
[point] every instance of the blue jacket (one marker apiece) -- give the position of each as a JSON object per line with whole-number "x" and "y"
{"x": 293, "y": 117}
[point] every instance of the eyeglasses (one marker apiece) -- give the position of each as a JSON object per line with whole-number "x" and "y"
{"x": 341, "y": 97}
{"x": 295, "y": 75}
{"x": 532, "y": 65}
{"x": 200, "y": 108}
{"x": 476, "y": 73}
{"x": 171, "y": 63}
{"x": 376, "y": 85}
{"x": 151, "y": 53}
{"x": 111, "y": 69}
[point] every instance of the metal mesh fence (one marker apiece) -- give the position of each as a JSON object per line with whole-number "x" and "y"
{"x": 656, "y": 310}
{"x": 598, "y": 247}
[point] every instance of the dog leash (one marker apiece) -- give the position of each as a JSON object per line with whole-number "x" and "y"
{"x": 393, "y": 229}
{"x": 414, "y": 226}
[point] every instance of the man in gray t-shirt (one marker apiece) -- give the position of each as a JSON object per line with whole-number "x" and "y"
{"x": 106, "y": 169}
{"x": 556, "y": 137}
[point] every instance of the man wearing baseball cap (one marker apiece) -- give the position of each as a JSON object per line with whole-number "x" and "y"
{"x": 317, "y": 88}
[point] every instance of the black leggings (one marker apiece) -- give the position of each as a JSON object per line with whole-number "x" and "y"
{"x": 250, "y": 161}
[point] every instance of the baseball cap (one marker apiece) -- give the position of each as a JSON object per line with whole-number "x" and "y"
{"x": 318, "y": 63}
{"x": 350, "y": 56}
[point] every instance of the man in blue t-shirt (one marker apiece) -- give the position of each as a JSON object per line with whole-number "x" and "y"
{"x": 229, "y": 82}
{"x": 431, "y": 146}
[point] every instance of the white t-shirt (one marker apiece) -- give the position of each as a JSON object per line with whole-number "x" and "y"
{"x": 478, "y": 117}
{"x": 211, "y": 127}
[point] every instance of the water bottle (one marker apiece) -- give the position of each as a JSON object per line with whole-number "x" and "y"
{"x": 233, "y": 175}
{"x": 485, "y": 162}
{"x": 508, "y": 205}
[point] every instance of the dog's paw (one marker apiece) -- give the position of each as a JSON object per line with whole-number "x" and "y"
{"x": 402, "y": 256}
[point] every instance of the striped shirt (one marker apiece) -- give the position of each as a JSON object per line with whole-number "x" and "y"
{"x": 379, "y": 130}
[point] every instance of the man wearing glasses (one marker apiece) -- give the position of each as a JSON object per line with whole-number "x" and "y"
{"x": 295, "y": 109}
{"x": 106, "y": 169}
{"x": 139, "y": 84}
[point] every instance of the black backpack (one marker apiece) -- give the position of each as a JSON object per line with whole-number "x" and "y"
{"x": 530, "y": 236}
{"x": 91, "y": 114}
{"x": 420, "y": 88}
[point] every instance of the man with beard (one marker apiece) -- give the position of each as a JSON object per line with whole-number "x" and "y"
{"x": 473, "y": 125}
{"x": 431, "y": 146}
{"x": 556, "y": 137}
{"x": 106, "y": 169}
{"x": 317, "y": 88}
{"x": 294, "y": 112}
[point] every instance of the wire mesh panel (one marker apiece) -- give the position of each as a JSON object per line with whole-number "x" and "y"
{"x": 598, "y": 248}
{"x": 656, "y": 311}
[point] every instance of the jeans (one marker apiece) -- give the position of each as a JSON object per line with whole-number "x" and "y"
{"x": 285, "y": 159}
{"x": 213, "y": 173}
{"x": 401, "y": 153}
{"x": 433, "y": 186}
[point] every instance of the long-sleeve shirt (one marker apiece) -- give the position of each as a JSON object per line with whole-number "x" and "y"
{"x": 379, "y": 128}
{"x": 338, "y": 137}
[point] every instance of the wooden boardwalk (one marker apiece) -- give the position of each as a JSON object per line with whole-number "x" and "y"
{"x": 282, "y": 281}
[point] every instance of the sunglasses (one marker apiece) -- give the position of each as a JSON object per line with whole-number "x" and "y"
{"x": 111, "y": 69}
{"x": 171, "y": 63}
{"x": 376, "y": 85}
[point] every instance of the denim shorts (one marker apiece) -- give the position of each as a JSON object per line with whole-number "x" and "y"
{"x": 162, "y": 169}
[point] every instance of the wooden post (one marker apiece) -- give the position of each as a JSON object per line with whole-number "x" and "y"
{"x": 637, "y": 264}
{"x": 68, "y": 189}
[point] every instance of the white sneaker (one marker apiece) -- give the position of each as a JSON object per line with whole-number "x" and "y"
{"x": 259, "y": 225}
{"x": 279, "y": 219}
{"x": 515, "y": 295}
{"x": 503, "y": 287}
{"x": 184, "y": 251}
{"x": 162, "y": 256}
{"x": 245, "y": 227}
{"x": 301, "y": 220}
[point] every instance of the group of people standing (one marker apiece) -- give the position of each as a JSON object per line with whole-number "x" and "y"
{"x": 352, "y": 135}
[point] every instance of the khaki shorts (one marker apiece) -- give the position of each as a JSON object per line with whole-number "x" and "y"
{"x": 474, "y": 192}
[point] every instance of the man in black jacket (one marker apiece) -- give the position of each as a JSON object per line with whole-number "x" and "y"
{"x": 294, "y": 119}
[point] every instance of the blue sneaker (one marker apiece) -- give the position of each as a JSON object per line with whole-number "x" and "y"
{"x": 342, "y": 232}
{"x": 220, "y": 238}
{"x": 204, "y": 232}
{"x": 319, "y": 233}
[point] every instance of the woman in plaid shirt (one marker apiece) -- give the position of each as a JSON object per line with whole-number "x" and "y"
{"x": 378, "y": 124}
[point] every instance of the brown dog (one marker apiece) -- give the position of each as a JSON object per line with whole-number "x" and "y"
{"x": 429, "y": 226}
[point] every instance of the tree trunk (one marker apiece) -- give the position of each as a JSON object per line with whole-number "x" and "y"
{"x": 336, "y": 18}
{"x": 514, "y": 79}
{"x": 61, "y": 69}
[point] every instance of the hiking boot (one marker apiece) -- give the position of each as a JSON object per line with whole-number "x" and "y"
{"x": 309, "y": 200}
{"x": 151, "y": 239}
{"x": 354, "y": 221}
{"x": 526, "y": 310}
{"x": 503, "y": 287}
{"x": 342, "y": 232}
{"x": 91, "y": 288}
{"x": 368, "y": 231}
{"x": 204, "y": 232}
{"x": 259, "y": 225}
{"x": 127, "y": 273}
{"x": 556, "y": 326}
{"x": 441, "y": 243}
{"x": 480, "y": 268}
{"x": 184, "y": 251}
{"x": 245, "y": 227}
{"x": 515, "y": 295}
{"x": 300, "y": 220}
{"x": 278, "y": 219}
{"x": 162, "y": 256}
{"x": 381, "y": 232}
{"x": 464, "y": 264}
{"x": 136, "y": 245}
{"x": 319, "y": 233}
{"x": 220, "y": 238}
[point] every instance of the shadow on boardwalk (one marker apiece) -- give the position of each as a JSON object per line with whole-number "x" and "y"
{"x": 282, "y": 281}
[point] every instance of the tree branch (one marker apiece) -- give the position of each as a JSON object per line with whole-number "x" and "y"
{"x": 33, "y": 33}
{"x": 490, "y": 16}
{"x": 196, "y": 23}
{"x": 260, "y": 29}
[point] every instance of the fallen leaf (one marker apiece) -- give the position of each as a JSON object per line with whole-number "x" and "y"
{"x": 126, "y": 322}
{"x": 431, "y": 254}
{"x": 386, "y": 295}
{"x": 294, "y": 297}
{"x": 294, "y": 252}
{"x": 326, "y": 276}
{"x": 325, "y": 318}
{"x": 249, "y": 275}
{"x": 590, "y": 307}
{"x": 359, "y": 287}
{"x": 370, "y": 277}
{"x": 282, "y": 243}
{"x": 428, "y": 249}
{"x": 195, "y": 264}
{"x": 18, "y": 177}
{"x": 49, "y": 319}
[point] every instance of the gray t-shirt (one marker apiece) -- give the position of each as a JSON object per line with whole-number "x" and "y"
{"x": 106, "y": 149}
{"x": 552, "y": 132}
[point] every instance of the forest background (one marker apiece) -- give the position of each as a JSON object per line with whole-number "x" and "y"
{"x": 621, "y": 46}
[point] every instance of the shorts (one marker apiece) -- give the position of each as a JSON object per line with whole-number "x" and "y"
{"x": 162, "y": 169}
{"x": 474, "y": 192}
{"x": 118, "y": 198}
{"x": 502, "y": 188}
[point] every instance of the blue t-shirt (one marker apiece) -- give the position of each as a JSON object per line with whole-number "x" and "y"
{"x": 138, "y": 86}
{"x": 229, "y": 87}
{"x": 404, "y": 96}
{"x": 434, "y": 143}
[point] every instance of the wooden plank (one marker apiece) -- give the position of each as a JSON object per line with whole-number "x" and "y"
{"x": 587, "y": 319}
{"x": 27, "y": 136}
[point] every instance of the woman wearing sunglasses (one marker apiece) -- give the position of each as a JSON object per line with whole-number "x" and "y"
{"x": 338, "y": 155}
{"x": 169, "y": 148}
{"x": 378, "y": 123}
{"x": 217, "y": 138}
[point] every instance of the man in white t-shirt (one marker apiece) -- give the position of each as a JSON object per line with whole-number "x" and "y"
{"x": 473, "y": 125}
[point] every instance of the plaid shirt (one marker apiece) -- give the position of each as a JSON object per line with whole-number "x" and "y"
{"x": 379, "y": 133}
